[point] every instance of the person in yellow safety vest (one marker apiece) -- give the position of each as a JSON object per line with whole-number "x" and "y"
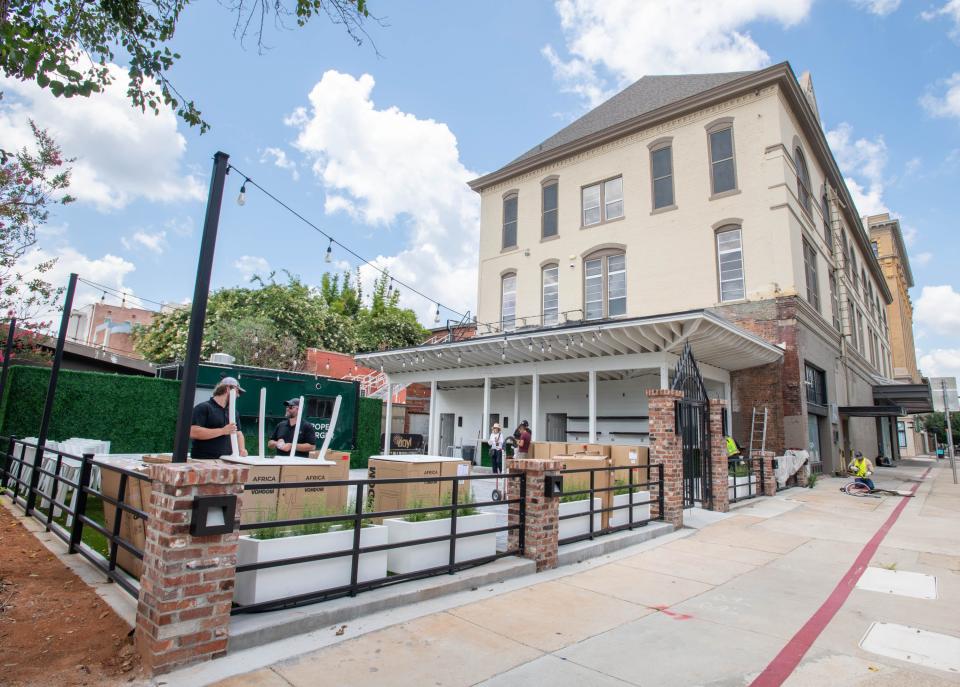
{"x": 861, "y": 468}
{"x": 732, "y": 448}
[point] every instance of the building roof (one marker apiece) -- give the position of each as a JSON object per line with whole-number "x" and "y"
{"x": 881, "y": 221}
{"x": 645, "y": 95}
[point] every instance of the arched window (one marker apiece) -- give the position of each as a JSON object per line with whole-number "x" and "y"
{"x": 827, "y": 221}
{"x": 604, "y": 284}
{"x": 803, "y": 179}
{"x": 508, "y": 301}
{"x": 550, "y": 293}
{"x": 730, "y": 263}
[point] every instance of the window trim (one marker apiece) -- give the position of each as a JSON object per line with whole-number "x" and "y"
{"x": 713, "y": 127}
{"x": 654, "y": 147}
{"x": 503, "y": 278}
{"x": 827, "y": 220}
{"x": 549, "y": 181}
{"x": 550, "y": 264}
{"x": 515, "y": 195}
{"x": 602, "y": 253}
{"x": 603, "y": 204}
{"x": 810, "y": 269}
{"x": 803, "y": 184}
{"x": 721, "y": 229}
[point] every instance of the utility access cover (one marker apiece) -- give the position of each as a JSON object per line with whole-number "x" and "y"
{"x": 900, "y": 582}
{"x": 930, "y": 649}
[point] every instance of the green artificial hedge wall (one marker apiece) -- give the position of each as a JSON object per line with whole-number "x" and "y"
{"x": 369, "y": 418}
{"x": 136, "y": 414}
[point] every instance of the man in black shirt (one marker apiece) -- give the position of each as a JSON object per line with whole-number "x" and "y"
{"x": 282, "y": 437}
{"x": 210, "y": 426}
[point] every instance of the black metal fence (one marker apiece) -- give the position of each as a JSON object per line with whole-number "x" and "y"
{"x": 584, "y": 520}
{"x": 744, "y": 478}
{"x": 350, "y": 578}
{"x": 58, "y": 490}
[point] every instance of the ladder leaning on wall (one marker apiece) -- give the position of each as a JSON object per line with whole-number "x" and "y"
{"x": 758, "y": 431}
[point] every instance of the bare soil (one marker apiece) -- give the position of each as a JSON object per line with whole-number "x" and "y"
{"x": 54, "y": 629}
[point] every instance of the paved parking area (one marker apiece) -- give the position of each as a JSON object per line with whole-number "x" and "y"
{"x": 715, "y": 606}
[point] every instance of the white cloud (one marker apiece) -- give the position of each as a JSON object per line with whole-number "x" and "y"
{"x": 947, "y": 104}
{"x": 941, "y": 362}
{"x": 251, "y": 266}
{"x": 922, "y": 258}
{"x": 950, "y": 10}
{"x": 181, "y": 226}
{"x": 626, "y": 39}
{"x": 389, "y": 168}
{"x": 279, "y": 158}
{"x": 121, "y": 153}
{"x": 938, "y": 309}
{"x": 879, "y": 7}
{"x": 909, "y": 234}
{"x": 155, "y": 242}
{"x": 862, "y": 162}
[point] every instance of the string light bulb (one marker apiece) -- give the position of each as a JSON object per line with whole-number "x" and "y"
{"x": 328, "y": 258}
{"x": 436, "y": 315}
{"x": 242, "y": 198}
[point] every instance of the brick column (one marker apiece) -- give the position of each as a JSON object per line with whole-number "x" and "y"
{"x": 665, "y": 449}
{"x": 768, "y": 485}
{"x": 720, "y": 495}
{"x": 186, "y": 588}
{"x": 541, "y": 530}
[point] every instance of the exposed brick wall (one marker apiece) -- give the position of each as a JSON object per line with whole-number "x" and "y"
{"x": 665, "y": 450}
{"x": 418, "y": 398}
{"x": 542, "y": 514}
{"x": 720, "y": 497}
{"x": 765, "y": 478}
{"x": 186, "y": 588}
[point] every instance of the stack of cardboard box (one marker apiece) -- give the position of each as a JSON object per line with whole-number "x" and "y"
{"x": 423, "y": 494}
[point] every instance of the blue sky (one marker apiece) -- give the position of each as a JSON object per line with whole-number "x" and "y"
{"x": 376, "y": 148}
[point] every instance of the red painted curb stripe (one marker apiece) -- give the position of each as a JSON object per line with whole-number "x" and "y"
{"x": 784, "y": 663}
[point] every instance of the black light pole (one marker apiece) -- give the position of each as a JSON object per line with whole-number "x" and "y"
{"x": 198, "y": 312}
{"x": 7, "y": 350}
{"x": 51, "y": 393}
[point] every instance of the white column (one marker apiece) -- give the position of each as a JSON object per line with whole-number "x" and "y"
{"x": 592, "y": 404}
{"x": 516, "y": 403}
{"x": 535, "y": 408}
{"x": 432, "y": 419}
{"x": 664, "y": 376}
{"x": 388, "y": 420}
{"x": 484, "y": 428}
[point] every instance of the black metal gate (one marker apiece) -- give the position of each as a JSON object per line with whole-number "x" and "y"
{"x": 693, "y": 429}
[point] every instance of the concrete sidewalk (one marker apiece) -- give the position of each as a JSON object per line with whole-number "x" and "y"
{"x": 710, "y": 607}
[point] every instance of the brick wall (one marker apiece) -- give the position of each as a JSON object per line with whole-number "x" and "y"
{"x": 720, "y": 497}
{"x": 665, "y": 450}
{"x": 542, "y": 513}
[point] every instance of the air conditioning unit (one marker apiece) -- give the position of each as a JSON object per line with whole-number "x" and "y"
{"x": 222, "y": 359}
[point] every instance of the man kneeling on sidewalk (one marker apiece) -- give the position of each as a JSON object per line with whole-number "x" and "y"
{"x": 861, "y": 468}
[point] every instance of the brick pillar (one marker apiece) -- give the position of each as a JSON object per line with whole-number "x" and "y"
{"x": 768, "y": 485}
{"x": 665, "y": 449}
{"x": 186, "y": 587}
{"x": 541, "y": 530}
{"x": 720, "y": 495}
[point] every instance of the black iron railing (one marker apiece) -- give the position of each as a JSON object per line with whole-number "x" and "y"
{"x": 360, "y": 516}
{"x": 744, "y": 478}
{"x": 41, "y": 481}
{"x": 599, "y": 487}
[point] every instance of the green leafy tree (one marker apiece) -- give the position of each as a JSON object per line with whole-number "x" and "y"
{"x": 65, "y": 45}
{"x": 256, "y": 341}
{"x": 384, "y": 324}
{"x": 937, "y": 423}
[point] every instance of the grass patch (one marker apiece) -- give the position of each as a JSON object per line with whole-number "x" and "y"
{"x": 463, "y": 509}
{"x": 264, "y": 533}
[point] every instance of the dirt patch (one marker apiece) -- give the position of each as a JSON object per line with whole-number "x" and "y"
{"x": 54, "y": 629}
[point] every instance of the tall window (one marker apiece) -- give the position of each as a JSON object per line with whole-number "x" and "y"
{"x": 846, "y": 253}
{"x": 605, "y": 286}
{"x": 834, "y": 303}
{"x": 876, "y": 249}
{"x": 661, "y": 169}
{"x": 863, "y": 280}
{"x": 550, "y": 280}
{"x": 827, "y": 222}
{"x": 730, "y": 264}
{"x": 602, "y": 202}
{"x": 510, "y": 221}
{"x": 853, "y": 270}
{"x": 815, "y": 380}
{"x": 852, "y": 313}
{"x": 810, "y": 266}
{"x": 722, "y": 167}
{"x": 901, "y": 434}
{"x": 508, "y": 302}
{"x": 861, "y": 334}
{"x": 550, "y": 201}
{"x": 803, "y": 179}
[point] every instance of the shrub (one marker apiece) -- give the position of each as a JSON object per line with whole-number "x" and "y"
{"x": 369, "y": 416}
{"x": 263, "y": 533}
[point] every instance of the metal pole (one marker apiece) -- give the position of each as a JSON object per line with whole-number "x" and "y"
{"x": 7, "y": 350}
{"x": 946, "y": 412}
{"x": 198, "y": 312}
{"x": 51, "y": 392}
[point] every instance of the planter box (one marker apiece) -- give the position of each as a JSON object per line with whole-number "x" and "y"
{"x": 576, "y": 526}
{"x": 622, "y": 516}
{"x": 269, "y": 584}
{"x": 739, "y": 487}
{"x": 425, "y": 556}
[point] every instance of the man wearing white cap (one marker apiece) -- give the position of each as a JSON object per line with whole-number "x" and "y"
{"x": 210, "y": 426}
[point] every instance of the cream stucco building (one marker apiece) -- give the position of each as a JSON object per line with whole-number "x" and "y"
{"x": 701, "y": 208}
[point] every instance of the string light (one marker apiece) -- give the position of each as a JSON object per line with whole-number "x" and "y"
{"x": 328, "y": 258}
{"x": 436, "y": 316}
{"x": 242, "y": 198}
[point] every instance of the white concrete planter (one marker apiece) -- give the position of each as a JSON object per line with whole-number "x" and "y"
{"x": 640, "y": 513}
{"x": 574, "y": 527}
{"x": 268, "y": 584}
{"x": 425, "y": 556}
{"x": 739, "y": 487}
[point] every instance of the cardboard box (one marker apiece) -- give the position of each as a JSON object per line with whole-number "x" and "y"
{"x": 456, "y": 468}
{"x": 387, "y": 497}
{"x": 581, "y": 480}
{"x": 541, "y": 450}
{"x": 332, "y": 455}
{"x": 313, "y": 501}
{"x": 136, "y": 495}
{"x": 588, "y": 449}
{"x": 634, "y": 459}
